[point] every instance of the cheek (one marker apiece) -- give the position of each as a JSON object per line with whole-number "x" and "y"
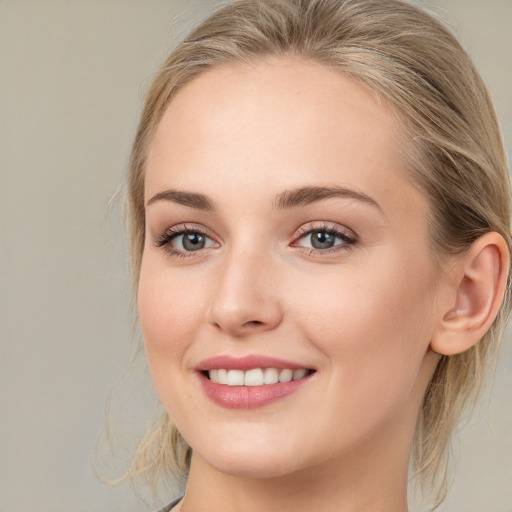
{"x": 379, "y": 309}
{"x": 375, "y": 326}
{"x": 169, "y": 312}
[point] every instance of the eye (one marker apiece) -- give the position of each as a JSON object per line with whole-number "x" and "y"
{"x": 180, "y": 240}
{"x": 324, "y": 239}
{"x": 190, "y": 241}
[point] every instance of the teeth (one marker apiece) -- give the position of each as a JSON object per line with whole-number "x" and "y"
{"x": 271, "y": 376}
{"x": 285, "y": 376}
{"x": 235, "y": 378}
{"x": 255, "y": 376}
{"x": 298, "y": 374}
{"x": 222, "y": 376}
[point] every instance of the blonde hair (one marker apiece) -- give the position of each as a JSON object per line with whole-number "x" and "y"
{"x": 416, "y": 65}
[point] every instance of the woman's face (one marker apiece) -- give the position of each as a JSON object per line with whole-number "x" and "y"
{"x": 284, "y": 234}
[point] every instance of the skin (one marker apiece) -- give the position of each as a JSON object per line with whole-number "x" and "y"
{"x": 362, "y": 315}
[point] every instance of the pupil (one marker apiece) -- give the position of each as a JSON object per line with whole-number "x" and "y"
{"x": 193, "y": 241}
{"x": 322, "y": 240}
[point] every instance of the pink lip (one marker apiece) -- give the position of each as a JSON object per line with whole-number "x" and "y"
{"x": 247, "y": 363}
{"x": 247, "y": 397}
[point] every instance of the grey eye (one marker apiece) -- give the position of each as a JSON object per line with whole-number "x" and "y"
{"x": 322, "y": 239}
{"x": 190, "y": 241}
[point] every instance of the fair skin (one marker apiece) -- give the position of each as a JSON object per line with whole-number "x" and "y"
{"x": 337, "y": 280}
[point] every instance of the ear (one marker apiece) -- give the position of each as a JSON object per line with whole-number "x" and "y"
{"x": 479, "y": 280}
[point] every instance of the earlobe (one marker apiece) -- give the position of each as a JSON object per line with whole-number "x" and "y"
{"x": 478, "y": 290}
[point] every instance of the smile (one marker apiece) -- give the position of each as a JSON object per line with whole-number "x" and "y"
{"x": 255, "y": 376}
{"x": 251, "y": 381}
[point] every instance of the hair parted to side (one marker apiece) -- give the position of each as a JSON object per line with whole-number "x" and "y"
{"x": 411, "y": 61}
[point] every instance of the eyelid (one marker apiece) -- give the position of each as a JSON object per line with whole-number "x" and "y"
{"x": 331, "y": 227}
{"x": 164, "y": 239}
{"x": 348, "y": 236}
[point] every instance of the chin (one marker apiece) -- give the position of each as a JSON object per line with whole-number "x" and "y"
{"x": 271, "y": 466}
{"x": 250, "y": 458}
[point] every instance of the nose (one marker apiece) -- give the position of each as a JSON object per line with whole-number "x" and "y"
{"x": 245, "y": 300}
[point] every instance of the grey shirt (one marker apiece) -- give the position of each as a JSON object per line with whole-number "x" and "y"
{"x": 167, "y": 508}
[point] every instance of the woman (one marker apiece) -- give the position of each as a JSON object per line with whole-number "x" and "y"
{"x": 320, "y": 221}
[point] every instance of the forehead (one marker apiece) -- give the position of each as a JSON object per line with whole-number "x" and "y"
{"x": 278, "y": 124}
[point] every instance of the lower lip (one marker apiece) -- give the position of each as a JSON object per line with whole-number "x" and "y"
{"x": 249, "y": 397}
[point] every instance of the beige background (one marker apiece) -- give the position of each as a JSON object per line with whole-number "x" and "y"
{"x": 72, "y": 74}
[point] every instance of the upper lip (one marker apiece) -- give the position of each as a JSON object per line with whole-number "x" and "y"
{"x": 247, "y": 363}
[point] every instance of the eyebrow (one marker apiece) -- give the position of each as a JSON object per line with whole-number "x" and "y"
{"x": 307, "y": 195}
{"x": 287, "y": 199}
{"x": 191, "y": 199}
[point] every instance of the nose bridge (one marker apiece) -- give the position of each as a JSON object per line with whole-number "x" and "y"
{"x": 246, "y": 298}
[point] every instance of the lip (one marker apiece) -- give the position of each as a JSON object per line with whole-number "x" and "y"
{"x": 247, "y": 363}
{"x": 248, "y": 397}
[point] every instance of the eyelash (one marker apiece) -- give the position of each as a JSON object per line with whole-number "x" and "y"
{"x": 348, "y": 240}
{"x": 164, "y": 240}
